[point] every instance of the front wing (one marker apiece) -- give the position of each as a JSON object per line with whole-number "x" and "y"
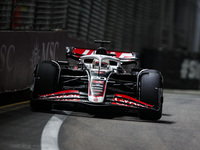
{"x": 75, "y": 96}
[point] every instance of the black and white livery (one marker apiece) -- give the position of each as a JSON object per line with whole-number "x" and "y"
{"x": 98, "y": 79}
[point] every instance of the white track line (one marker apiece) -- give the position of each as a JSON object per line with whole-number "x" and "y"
{"x": 49, "y": 138}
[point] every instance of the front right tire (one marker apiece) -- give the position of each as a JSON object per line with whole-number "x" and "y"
{"x": 150, "y": 88}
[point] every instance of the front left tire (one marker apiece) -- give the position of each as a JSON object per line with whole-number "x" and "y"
{"x": 46, "y": 81}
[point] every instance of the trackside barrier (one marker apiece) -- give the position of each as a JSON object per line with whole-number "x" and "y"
{"x": 181, "y": 70}
{"x": 21, "y": 51}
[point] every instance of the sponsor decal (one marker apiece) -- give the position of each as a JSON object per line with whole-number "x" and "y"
{"x": 120, "y": 104}
{"x": 95, "y": 99}
{"x": 43, "y": 51}
{"x": 99, "y": 72}
{"x": 132, "y": 99}
{"x": 7, "y": 58}
{"x": 94, "y": 90}
{"x": 129, "y": 101}
{"x": 98, "y": 82}
{"x": 72, "y": 97}
{"x": 97, "y": 88}
{"x": 60, "y": 92}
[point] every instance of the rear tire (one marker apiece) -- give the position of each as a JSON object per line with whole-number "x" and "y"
{"x": 151, "y": 93}
{"x": 46, "y": 81}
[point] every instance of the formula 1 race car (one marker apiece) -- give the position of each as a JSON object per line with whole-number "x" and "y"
{"x": 98, "y": 79}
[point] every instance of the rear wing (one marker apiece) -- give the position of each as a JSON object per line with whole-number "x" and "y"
{"x": 123, "y": 56}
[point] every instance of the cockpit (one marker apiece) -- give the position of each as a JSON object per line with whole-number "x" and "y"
{"x": 104, "y": 64}
{"x": 100, "y": 62}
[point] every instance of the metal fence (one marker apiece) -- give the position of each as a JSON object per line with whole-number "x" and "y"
{"x": 129, "y": 24}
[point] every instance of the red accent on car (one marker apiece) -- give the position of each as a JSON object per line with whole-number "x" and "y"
{"x": 132, "y": 99}
{"x": 121, "y": 54}
{"x": 100, "y": 94}
{"x": 61, "y": 92}
{"x": 95, "y": 99}
{"x": 120, "y": 104}
{"x": 78, "y": 52}
{"x": 82, "y": 51}
{"x": 72, "y": 97}
{"x": 97, "y": 81}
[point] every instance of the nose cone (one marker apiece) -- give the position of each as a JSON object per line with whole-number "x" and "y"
{"x": 97, "y": 88}
{"x": 96, "y": 99}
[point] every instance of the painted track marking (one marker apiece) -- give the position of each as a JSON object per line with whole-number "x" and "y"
{"x": 13, "y": 107}
{"x": 49, "y": 138}
{"x": 15, "y": 104}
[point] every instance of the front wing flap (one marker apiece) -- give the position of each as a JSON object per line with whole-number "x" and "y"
{"x": 75, "y": 96}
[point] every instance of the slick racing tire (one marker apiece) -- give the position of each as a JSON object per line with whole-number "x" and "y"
{"x": 46, "y": 81}
{"x": 151, "y": 93}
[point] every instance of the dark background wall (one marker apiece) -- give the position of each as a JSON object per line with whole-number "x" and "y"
{"x": 165, "y": 33}
{"x": 181, "y": 70}
{"x": 131, "y": 24}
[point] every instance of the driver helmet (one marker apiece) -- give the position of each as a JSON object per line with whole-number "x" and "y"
{"x": 95, "y": 63}
{"x": 104, "y": 64}
{"x": 101, "y": 51}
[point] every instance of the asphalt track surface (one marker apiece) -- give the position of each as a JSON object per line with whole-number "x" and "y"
{"x": 179, "y": 128}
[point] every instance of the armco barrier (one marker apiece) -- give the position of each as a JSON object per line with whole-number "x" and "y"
{"x": 21, "y": 51}
{"x": 181, "y": 70}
